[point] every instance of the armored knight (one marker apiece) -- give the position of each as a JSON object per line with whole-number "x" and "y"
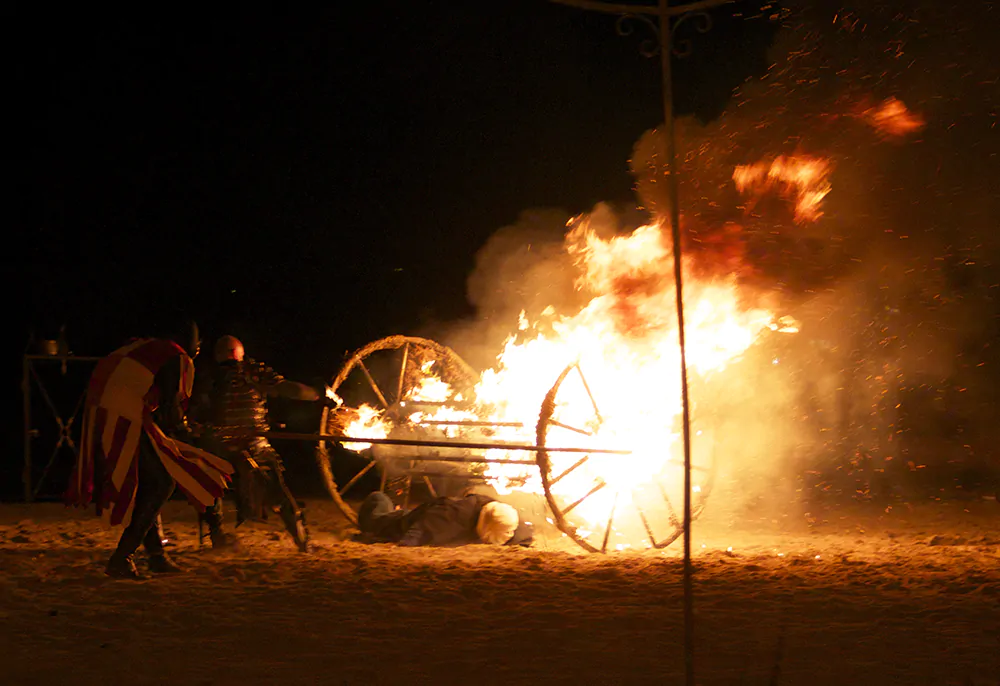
{"x": 230, "y": 406}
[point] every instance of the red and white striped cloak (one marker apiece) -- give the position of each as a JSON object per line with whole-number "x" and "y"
{"x": 119, "y": 407}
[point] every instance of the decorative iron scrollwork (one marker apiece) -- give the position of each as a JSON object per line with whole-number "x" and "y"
{"x": 647, "y": 15}
{"x": 685, "y": 47}
{"x": 649, "y": 47}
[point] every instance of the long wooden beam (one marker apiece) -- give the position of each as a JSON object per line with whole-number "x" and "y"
{"x": 291, "y": 436}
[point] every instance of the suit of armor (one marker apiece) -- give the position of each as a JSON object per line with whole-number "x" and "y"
{"x": 231, "y": 404}
{"x": 238, "y": 404}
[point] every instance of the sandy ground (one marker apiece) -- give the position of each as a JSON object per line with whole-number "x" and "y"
{"x": 851, "y": 595}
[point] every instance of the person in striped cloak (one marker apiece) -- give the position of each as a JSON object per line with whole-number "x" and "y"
{"x": 134, "y": 446}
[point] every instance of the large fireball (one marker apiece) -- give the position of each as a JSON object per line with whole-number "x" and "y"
{"x": 599, "y": 388}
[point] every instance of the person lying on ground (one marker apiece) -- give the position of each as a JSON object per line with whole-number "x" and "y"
{"x": 443, "y": 521}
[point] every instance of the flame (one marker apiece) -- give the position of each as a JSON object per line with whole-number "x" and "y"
{"x": 430, "y": 388}
{"x": 624, "y": 392}
{"x": 370, "y": 422}
{"x": 892, "y": 119}
{"x": 626, "y": 389}
{"x": 621, "y": 384}
{"x": 802, "y": 177}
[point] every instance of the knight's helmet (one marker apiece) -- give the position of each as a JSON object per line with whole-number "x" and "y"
{"x": 228, "y": 349}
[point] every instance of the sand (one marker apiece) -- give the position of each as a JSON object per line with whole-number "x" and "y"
{"x": 853, "y": 594}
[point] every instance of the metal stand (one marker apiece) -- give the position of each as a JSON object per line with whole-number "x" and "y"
{"x": 667, "y": 18}
{"x": 63, "y": 423}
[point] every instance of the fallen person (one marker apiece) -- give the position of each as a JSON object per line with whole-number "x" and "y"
{"x": 443, "y": 521}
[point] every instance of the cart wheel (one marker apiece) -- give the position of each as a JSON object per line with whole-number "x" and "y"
{"x": 622, "y": 499}
{"x": 391, "y": 376}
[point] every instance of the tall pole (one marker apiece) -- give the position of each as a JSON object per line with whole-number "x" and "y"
{"x": 26, "y": 476}
{"x": 665, "y": 29}
{"x": 666, "y": 52}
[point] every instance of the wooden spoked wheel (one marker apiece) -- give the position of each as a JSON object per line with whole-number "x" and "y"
{"x": 610, "y": 501}
{"x": 387, "y": 375}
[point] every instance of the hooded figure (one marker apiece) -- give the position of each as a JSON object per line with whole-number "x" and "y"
{"x": 132, "y": 450}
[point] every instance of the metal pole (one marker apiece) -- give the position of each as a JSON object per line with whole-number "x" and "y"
{"x": 465, "y": 445}
{"x": 26, "y": 393}
{"x": 666, "y": 51}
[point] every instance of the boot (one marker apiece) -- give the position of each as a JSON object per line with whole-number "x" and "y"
{"x": 221, "y": 540}
{"x": 213, "y": 518}
{"x": 301, "y": 536}
{"x": 122, "y": 567}
{"x": 295, "y": 523}
{"x": 161, "y": 564}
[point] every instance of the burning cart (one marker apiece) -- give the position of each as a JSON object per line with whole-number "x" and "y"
{"x": 413, "y": 409}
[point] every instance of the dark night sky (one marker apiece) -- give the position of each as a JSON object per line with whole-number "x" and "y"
{"x": 312, "y": 179}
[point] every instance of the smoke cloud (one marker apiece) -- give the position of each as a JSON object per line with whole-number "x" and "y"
{"x": 888, "y": 387}
{"x": 522, "y": 267}
{"x": 895, "y": 285}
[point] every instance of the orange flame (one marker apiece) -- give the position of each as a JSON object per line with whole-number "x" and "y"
{"x": 892, "y": 119}
{"x": 370, "y": 423}
{"x": 627, "y": 394}
{"x": 803, "y": 177}
{"x": 624, "y": 392}
{"x": 625, "y": 343}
